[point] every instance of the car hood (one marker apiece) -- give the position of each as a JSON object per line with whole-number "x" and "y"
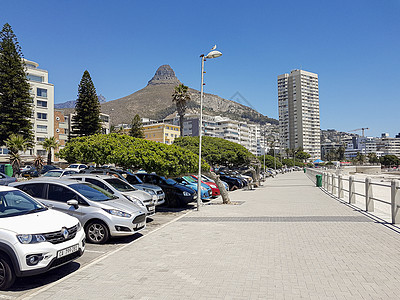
{"x": 122, "y": 204}
{"x": 142, "y": 195}
{"x": 148, "y": 186}
{"x": 184, "y": 188}
{"x": 40, "y": 222}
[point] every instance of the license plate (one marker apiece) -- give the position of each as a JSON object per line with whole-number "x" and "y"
{"x": 67, "y": 251}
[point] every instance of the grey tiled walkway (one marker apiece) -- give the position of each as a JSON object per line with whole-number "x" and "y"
{"x": 287, "y": 240}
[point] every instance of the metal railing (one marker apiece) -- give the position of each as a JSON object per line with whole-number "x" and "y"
{"x": 334, "y": 185}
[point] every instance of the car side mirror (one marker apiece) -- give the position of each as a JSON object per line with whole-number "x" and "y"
{"x": 73, "y": 203}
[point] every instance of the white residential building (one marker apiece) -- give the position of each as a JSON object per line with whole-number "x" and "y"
{"x": 298, "y": 101}
{"x": 42, "y": 93}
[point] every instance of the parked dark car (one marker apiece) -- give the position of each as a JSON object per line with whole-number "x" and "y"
{"x": 176, "y": 195}
{"x": 233, "y": 183}
{"x": 33, "y": 172}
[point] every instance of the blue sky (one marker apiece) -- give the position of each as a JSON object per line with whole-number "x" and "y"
{"x": 354, "y": 46}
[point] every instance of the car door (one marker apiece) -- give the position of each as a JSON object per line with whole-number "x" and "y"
{"x": 58, "y": 196}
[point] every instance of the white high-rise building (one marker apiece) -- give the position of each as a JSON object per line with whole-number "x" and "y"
{"x": 42, "y": 93}
{"x": 298, "y": 101}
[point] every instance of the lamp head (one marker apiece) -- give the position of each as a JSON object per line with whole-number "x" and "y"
{"x": 213, "y": 54}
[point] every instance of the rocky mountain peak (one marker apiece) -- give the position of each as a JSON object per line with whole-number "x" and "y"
{"x": 164, "y": 75}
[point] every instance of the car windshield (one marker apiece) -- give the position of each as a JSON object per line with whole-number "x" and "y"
{"x": 133, "y": 179}
{"x": 53, "y": 174}
{"x": 120, "y": 185}
{"x": 15, "y": 203}
{"x": 73, "y": 166}
{"x": 169, "y": 181}
{"x": 92, "y": 192}
{"x": 190, "y": 179}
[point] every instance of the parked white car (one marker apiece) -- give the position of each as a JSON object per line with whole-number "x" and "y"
{"x": 76, "y": 167}
{"x": 120, "y": 188}
{"x": 101, "y": 214}
{"x": 33, "y": 238}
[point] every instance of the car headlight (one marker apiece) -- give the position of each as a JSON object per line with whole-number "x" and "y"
{"x": 213, "y": 186}
{"x": 78, "y": 226}
{"x": 116, "y": 212}
{"x": 186, "y": 194}
{"x": 151, "y": 192}
{"x": 135, "y": 200}
{"x": 31, "y": 238}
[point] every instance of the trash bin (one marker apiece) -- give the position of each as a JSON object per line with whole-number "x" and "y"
{"x": 304, "y": 169}
{"x": 319, "y": 180}
{"x": 8, "y": 170}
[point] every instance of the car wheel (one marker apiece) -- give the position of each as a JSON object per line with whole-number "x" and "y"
{"x": 7, "y": 275}
{"x": 97, "y": 232}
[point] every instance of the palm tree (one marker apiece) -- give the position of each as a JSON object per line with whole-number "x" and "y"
{"x": 16, "y": 143}
{"x": 181, "y": 97}
{"x": 49, "y": 144}
{"x": 38, "y": 163}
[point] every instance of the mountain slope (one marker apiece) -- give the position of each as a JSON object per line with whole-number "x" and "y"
{"x": 155, "y": 102}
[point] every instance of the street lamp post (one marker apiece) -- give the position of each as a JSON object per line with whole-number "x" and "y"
{"x": 212, "y": 54}
{"x": 264, "y": 158}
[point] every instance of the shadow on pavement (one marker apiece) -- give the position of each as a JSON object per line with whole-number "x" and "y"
{"x": 31, "y": 282}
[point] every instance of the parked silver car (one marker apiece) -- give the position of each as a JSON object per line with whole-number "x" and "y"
{"x": 120, "y": 188}
{"x": 101, "y": 213}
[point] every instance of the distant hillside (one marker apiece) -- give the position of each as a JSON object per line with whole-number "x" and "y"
{"x": 155, "y": 102}
{"x": 72, "y": 103}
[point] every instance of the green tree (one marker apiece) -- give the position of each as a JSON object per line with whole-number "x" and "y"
{"x": 15, "y": 100}
{"x": 16, "y": 143}
{"x": 49, "y": 144}
{"x": 390, "y": 160}
{"x": 219, "y": 152}
{"x": 372, "y": 158}
{"x": 137, "y": 128}
{"x": 87, "y": 108}
{"x": 340, "y": 153}
{"x": 181, "y": 96}
{"x": 269, "y": 161}
{"x": 130, "y": 152}
{"x": 302, "y": 155}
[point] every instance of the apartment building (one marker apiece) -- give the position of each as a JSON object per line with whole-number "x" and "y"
{"x": 298, "y": 102}
{"x": 243, "y": 133}
{"x": 42, "y": 93}
{"x": 161, "y": 132}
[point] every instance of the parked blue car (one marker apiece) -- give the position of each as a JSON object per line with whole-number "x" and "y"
{"x": 206, "y": 192}
{"x": 6, "y": 180}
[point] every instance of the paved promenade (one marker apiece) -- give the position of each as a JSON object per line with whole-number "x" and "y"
{"x": 285, "y": 240}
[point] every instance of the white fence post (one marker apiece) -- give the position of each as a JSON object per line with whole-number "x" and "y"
{"x": 340, "y": 187}
{"x": 352, "y": 198}
{"x": 369, "y": 203}
{"x": 333, "y": 184}
{"x": 395, "y": 200}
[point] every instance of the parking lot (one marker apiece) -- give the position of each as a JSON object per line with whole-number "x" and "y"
{"x": 27, "y": 285}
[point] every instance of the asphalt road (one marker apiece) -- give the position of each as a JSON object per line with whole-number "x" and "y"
{"x": 26, "y": 285}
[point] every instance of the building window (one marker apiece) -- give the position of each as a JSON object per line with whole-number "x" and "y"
{"x": 42, "y": 116}
{"x": 41, "y": 93}
{"x": 41, "y": 128}
{"x": 58, "y": 118}
{"x": 57, "y": 130}
{"x": 34, "y": 78}
{"x": 40, "y": 139}
{"x": 41, "y": 103}
{"x": 41, "y": 152}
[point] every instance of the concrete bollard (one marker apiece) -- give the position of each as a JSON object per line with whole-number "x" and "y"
{"x": 333, "y": 184}
{"x": 369, "y": 203}
{"x": 395, "y": 201}
{"x": 340, "y": 187}
{"x": 352, "y": 198}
